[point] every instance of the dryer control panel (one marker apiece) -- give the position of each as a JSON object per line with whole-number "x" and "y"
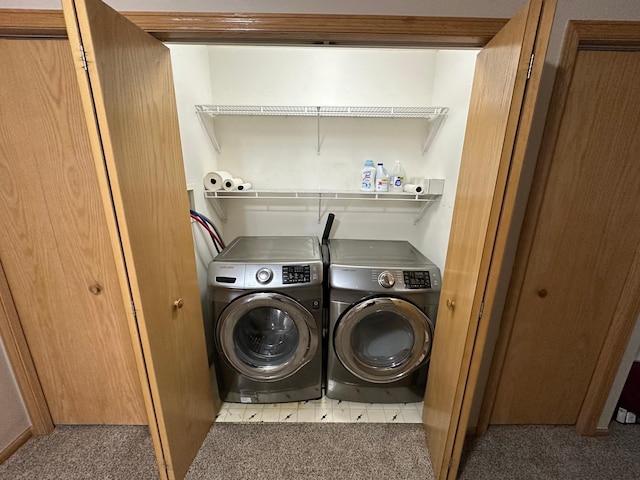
{"x": 384, "y": 279}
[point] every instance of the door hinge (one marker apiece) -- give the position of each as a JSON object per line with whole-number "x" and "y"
{"x": 481, "y": 311}
{"x": 83, "y": 57}
{"x": 530, "y": 66}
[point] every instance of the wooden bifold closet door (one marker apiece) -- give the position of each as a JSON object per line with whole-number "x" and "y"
{"x": 583, "y": 249}
{"x": 505, "y": 87}
{"x": 126, "y": 84}
{"x": 54, "y": 243}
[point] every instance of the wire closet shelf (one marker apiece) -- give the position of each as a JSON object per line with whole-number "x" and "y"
{"x": 323, "y": 111}
{"x": 434, "y": 116}
{"x": 432, "y": 192}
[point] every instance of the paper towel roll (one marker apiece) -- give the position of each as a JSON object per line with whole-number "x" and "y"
{"x": 215, "y": 180}
{"x": 232, "y": 183}
{"x": 244, "y": 186}
{"x": 412, "y": 188}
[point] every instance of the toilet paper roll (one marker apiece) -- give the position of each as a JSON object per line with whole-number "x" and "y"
{"x": 215, "y": 180}
{"x": 244, "y": 186}
{"x": 412, "y": 188}
{"x": 232, "y": 183}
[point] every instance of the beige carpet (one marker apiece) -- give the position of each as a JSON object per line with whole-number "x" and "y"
{"x": 231, "y": 451}
{"x": 84, "y": 452}
{"x": 513, "y": 452}
{"x": 341, "y": 451}
{"x": 277, "y": 451}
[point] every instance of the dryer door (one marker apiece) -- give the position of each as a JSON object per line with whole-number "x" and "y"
{"x": 267, "y": 336}
{"x": 383, "y": 339}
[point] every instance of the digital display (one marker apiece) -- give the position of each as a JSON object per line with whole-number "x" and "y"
{"x": 417, "y": 279}
{"x": 296, "y": 274}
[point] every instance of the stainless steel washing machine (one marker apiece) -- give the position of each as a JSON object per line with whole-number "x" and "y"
{"x": 266, "y": 295}
{"x": 382, "y": 308}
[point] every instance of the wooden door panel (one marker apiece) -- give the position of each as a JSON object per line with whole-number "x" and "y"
{"x": 135, "y": 139}
{"x": 583, "y": 247}
{"x": 55, "y": 244}
{"x": 493, "y": 125}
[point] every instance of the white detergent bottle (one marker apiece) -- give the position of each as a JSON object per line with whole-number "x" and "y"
{"x": 382, "y": 179}
{"x": 397, "y": 178}
{"x": 368, "y": 177}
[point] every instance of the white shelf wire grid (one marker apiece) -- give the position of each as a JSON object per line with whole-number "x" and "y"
{"x": 323, "y": 111}
{"x": 319, "y": 195}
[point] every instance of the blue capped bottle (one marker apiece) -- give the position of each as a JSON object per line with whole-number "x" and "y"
{"x": 368, "y": 177}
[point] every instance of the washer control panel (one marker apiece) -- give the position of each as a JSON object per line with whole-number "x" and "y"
{"x": 417, "y": 279}
{"x": 296, "y": 274}
{"x": 271, "y": 275}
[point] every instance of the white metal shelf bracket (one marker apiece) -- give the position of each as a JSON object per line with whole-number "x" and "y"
{"x": 433, "y": 125}
{"x": 209, "y": 125}
{"x": 219, "y": 210}
{"x": 420, "y": 214}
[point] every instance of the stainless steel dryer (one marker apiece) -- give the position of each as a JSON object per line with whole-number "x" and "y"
{"x": 382, "y": 308}
{"x": 266, "y": 295}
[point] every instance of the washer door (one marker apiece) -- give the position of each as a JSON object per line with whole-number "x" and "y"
{"x": 267, "y": 336}
{"x": 383, "y": 339}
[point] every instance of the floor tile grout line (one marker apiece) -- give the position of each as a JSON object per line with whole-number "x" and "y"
{"x": 334, "y": 411}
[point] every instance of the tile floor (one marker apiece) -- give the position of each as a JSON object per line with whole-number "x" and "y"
{"x": 323, "y": 410}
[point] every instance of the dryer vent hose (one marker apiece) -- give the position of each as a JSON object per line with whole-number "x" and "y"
{"x": 327, "y": 228}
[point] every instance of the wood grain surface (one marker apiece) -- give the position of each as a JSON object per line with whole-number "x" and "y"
{"x": 136, "y": 139}
{"x": 494, "y": 114}
{"x": 278, "y": 28}
{"x": 55, "y": 244}
{"x": 583, "y": 246}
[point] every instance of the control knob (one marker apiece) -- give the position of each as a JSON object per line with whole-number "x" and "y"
{"x": 264, "y": 275}
{"x": 386, "y": 280}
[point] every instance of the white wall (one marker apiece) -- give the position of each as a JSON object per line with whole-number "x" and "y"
{"x": 452, "y": 87}
{"x": 324, "y": 75}
{"x": 190, "y": 65}
{"x": 281, "y": 152}
{"x": 13, "y": 419}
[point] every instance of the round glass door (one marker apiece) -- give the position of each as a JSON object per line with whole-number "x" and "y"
{"x": 267, "y": 336}
{"x": 383, "y": 339}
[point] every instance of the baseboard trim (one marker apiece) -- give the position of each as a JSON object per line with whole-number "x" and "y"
{"x": 602, "y": 431}
{"x": 15, "y": 445}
